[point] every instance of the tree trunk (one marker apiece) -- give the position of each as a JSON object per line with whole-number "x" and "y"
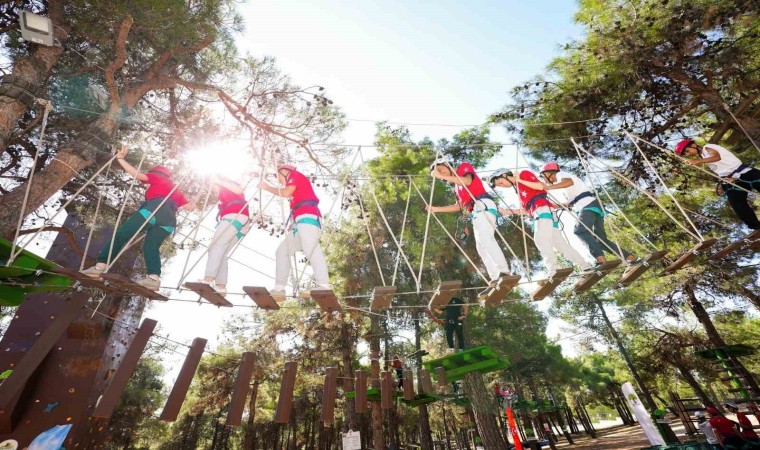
{"x": 621, "y": 348}
{"x": 347, "y": 355}
{"x": 750, "y": 295}
{"x": 714, "y": 336}
{"x": 483, "y": 410}
{"x": 33, "y": 70}
{"x": 692, "y": 382}
{"x": 48, "y": 181}
{"x": 426, "y": 434}
{"x": 378, "y": 440}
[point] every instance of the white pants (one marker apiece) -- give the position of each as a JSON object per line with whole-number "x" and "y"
{"x": 550, "y": 241}
{"x": 225, "y": 238}
{"x": 484, "y": 228}
{"x": 302, "y": 237}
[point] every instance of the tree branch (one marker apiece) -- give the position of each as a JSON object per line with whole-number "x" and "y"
{"x": 118, "y": 63}
{"x": 66, "y": 231}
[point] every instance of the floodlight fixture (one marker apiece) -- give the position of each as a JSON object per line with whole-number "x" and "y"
{"x": 36, "y": 28}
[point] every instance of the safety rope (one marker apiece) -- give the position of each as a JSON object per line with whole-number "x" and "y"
{"x": 401, "y": 238}
{"x": 369, "y": 234}
{"x": 123, "y": 207}
{"x": 427, "y": 226}
{"x": 94, "y": 221}
{"x": 749, "y": 136}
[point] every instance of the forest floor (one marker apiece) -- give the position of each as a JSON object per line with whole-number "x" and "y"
{"x": 616, "y": 438}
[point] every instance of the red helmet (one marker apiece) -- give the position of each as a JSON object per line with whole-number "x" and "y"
{"x": 161, "y": 170}
{"x": 681, "y": 146}
{"x": 289, "y": 167}
{"x": 712, "y": 411}
{"x": 550, "y": 167}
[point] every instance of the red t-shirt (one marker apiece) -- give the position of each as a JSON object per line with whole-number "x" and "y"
{"x": 161, "y": 186}
{"x": 231, "y": 203}
{"x": 746, "y": 425}
{"x": 527, "y": 193}
{"x": 475, "y": 188}
{"x": 397, "y": 364}
{"x": 304, "y": 192}
{"x": 723, "y": 426}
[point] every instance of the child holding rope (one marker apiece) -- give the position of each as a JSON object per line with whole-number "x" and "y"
{"x": 157, "y": 217}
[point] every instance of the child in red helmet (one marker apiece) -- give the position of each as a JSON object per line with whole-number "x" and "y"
{"x": 305, "y": 228}
{"x": 747, "y": 431}
{"x": 730, "y": 168}
{"x": 157, "y": 217}
{"x": 546, "y": 233}
{"x": 233, "y": 222}
{"x": 590, "y": 227}
{"x": 473, "y": 199}
{"x": 727, "y": 431}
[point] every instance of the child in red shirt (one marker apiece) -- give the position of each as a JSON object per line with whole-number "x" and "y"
{"x": 473, "y": 199}
{"x": 725, "y": 430}
{"x": 398, "y": 366}
{"x": 748, "y": 433}
{"x": 157, "y": 217}
{"x": 305, "y": 228}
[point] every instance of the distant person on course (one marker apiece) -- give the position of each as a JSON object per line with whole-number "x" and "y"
{"x": 727, "y": 431}
{"x": 156, "y": 217}
{"x": 748, "y": 433}
{"x": 473, "y": 199}
{"x": 305, "y": 228}
{"x": 590, "y": 227}
{"x": 706, "y": 429}
{"x": 731, "y": 170}
{"x": 453, "y": 322}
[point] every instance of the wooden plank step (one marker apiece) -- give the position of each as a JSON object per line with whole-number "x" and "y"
{"x": 633, "y": 273}
{"x": 725, "y": 369}
{"x": 85, "y": 281}
{"x": 497, "y": 294}
{"x": 588, "y": 281}
{"x": 382, "y": 296}
{"x": 262, "y": 297}
{"x": 207, "y": 293}
{"x": 689, "y": 256}
{"x": 747, "y": 400}
{"x": 326, "y": 299}
{"x": 546, "y": 287}
{"x": 741, "y": 389}
{"x": 732, "y": 378}
{"x": 126, "y": 285}
{"x": 444, "y": 293}
{"x": 747, "y": 239}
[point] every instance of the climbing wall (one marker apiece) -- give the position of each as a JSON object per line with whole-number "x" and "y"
{"x": 58, "y": 399}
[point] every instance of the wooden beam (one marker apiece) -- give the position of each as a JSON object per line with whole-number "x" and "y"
{"x": 240, "y": 390}
{"x": 185, "y": 377}
{"x": 408, "y": 385}
{"x": 13, "y": 386}
{"x": 262, "y": 297}
{"x": 424, "y": 383}
{"x": 110, "y": 399}
{"x": 386, "y": 390}
{"x": 382, "y": 297}
{"x": 328, "y": 395}
{"x": 285, "y": 402}
{"x": 440, "y": 375}
{"x": 207, "y": 293}
{"x": 445, "y": 291}
{"x": 360, "y": 388}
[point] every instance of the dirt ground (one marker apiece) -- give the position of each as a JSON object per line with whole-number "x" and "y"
{"x": 616, "y": 438}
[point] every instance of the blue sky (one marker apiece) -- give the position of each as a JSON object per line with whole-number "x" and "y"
{"x": 442, "y": 62}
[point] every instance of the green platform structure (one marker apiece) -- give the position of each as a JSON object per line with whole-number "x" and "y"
{"x": 27, "y": 274}
{"x": 477, "y": 359}
{"x": 725, "y": 358}
{"x": 422, "y": 399}
{"x": 374, "y": 394}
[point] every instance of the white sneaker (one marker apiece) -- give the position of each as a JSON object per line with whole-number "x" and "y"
{"x": 220, "y": 290}
{"x": 94, "y": 271}
{"x": 449, "y": 351}
{"x": 278, "y": 295}
{"x": 149, "y": 282}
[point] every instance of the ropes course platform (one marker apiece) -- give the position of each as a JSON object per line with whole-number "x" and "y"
{"x": 208, "y": 293}
{"x": 497, "y": 294}
{"x": 689, "y": 256}
{"x": 86, "y": 281}
{"x": 124, "y": 284}
{"x": 587, "y": 282}
{"x": 375, "y": 394}
{"x": 546, "y": 287}
{"x": 262, "y": 297}
{"x": 633, "y": 273}
{"x": 422, "y": 399}
{"x": 27, "y": 274}
{"x": 478, "y": 359}
{"x": 735, "y": 350}
{"x": 748, "y": 239}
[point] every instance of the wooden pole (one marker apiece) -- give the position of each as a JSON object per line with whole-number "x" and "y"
{"x": 185, "y": 377}
{"x": 240, "y": 390}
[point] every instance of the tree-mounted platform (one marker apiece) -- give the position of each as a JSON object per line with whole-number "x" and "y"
{"x": 635, "y": 272}
{"x": 27, "y": 274}
{"x": 443, "y": 294}
{"x": 127, "y": 285}
{"x": 208, "y": 293}
{"x": 748, "y": 240}
{"x": 262, "y": 297}
{"x": 374, "y": 394}
{"x": 505, "y": 285}
{"x": 689, "y": 256}
{"x": 720, "y": 353}
{"x": 586, "y": 282}
{"x": 546, "y": 287}
{"x": 422, "y": 399}
{"x": 478, "y": 359}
